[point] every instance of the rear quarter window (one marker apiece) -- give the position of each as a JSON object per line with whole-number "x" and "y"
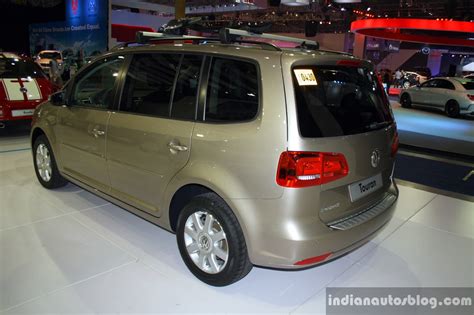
{"x": 468, "y": 85}
{"x": 342, "y": 101}
{"x": 232, "y": 92}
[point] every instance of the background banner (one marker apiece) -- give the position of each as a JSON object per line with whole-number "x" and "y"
{"x": 83, "y": 35}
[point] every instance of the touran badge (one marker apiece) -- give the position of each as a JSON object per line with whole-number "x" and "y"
{"x": 375, "y": 158}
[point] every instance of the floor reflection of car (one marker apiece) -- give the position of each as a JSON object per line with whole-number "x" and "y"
{"x": 413, "y": 78}
{"x": 23, "y": 86}
{"x": 44, "y": 58}
{"x": 455, "y": 96}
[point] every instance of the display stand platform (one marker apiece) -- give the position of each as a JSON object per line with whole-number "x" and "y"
{"x": 434, "y": 130}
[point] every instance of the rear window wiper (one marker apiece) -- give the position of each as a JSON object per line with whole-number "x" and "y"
{"x": 378, "y": 125}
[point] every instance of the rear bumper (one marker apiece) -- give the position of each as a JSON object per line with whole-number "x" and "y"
{"x": 278, "y": 237}
{"x": 5, "y": 124}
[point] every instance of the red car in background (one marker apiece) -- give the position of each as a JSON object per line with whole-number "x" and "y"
{"x": 23, "y": 86}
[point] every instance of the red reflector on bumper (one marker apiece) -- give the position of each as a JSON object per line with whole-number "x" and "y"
{"x": 313, "y": 260}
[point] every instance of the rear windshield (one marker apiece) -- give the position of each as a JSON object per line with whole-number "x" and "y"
{"x": 50, "y": 55}
{"x": 468, "y": 85}
{"x": 339, "y": 100}
{"x": 18, "y": 68}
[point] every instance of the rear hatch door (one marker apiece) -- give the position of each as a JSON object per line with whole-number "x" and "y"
{"x": 337, "y": 105}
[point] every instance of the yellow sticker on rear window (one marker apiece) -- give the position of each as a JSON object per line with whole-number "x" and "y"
{"x": 305, "y": 77}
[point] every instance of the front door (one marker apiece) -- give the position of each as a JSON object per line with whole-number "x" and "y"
{"x": 83, "y": 123}
{"x": 149, "y": 138}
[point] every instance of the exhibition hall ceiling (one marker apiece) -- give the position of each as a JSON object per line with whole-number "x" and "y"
{"x": 457, "y": 9}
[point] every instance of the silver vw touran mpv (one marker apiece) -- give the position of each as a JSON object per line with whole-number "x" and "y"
{"x": 251, "y": 154}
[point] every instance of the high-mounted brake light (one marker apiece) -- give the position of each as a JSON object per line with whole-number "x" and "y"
{"x": 302, "y": 169}
{"x": 349, "y": 63}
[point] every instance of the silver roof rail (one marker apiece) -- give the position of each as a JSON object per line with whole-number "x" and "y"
{"x": 228, "y": 35}
{"x": 143, "y": 37}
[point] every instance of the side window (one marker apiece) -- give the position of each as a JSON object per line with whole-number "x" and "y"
{"x": 95, "y": 87}
{"x": 443, "y": 84}
{"x": 428, "y": 84}
{"x": 232, "y": 92}
{"x": 149, "y": 84}
{"x": 185, "y": 93}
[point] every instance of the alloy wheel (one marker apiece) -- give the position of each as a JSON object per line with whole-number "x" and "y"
{"x": 43, "y": 162}
{"x": 206, "y": 242}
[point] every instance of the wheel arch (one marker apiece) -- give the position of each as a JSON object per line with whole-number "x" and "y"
{"x": 182, "y": 197}
{"x": 35, "y": 134}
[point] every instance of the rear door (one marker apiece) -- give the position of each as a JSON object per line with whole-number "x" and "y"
{"x": 82, "y": 126}
{"x": 149, "y": 138}
{"x": 444, "y": 92}
{"x": 342, "y": 109}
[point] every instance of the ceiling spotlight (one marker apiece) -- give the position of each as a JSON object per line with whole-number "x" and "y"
{"x": 343, "y": 9}
{"x": 369, "y": 8}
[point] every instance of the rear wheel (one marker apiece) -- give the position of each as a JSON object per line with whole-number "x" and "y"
{"x": 452, "y": 109}
{"x": 405, "y": 100}
{"x": 211, "y": 241}
{"x": 45, "y": 164}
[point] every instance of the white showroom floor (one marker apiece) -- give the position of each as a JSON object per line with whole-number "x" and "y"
{"x": 67, "y": 251}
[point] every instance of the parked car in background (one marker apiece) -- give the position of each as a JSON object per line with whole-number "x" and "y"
{"x": 249, "y": 163}
{"x": 23, "y": 86}
{"x": 44, "y": 60}
{"x": 455, "y": 96}
{"x": 411, "y": 78}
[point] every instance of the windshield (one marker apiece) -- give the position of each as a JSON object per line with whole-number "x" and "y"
{"x": 50, "y": 55}
{"x": 17, "y": 68}
{"x": 339, "y": 100}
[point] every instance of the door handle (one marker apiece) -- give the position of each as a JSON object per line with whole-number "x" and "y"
{"x": 97, "y": 133}
{"x": 175, "y": 147}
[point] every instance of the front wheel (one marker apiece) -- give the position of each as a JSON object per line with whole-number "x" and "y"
{"x": 211, "y": 241}
{"x": 452, "y": 109}
{"x": 45, "y": 164}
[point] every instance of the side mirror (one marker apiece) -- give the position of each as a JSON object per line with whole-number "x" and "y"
{"x": 58, "y": 98}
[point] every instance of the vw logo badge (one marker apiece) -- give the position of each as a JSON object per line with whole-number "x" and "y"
{"x": 375, "y": 158}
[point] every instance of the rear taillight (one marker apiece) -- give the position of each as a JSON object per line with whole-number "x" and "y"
{"x": 471, "y": 97}
{"x": 1, "y": 111}
{"x": 395, "y": 143}
{"x": 303, "y": 169}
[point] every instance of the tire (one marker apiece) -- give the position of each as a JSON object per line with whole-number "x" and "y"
{"x": 452, "y": 109}
{"x": 405, "y": 100}
{"x": 45, "y": 164}
{"x": 216, "y": 258}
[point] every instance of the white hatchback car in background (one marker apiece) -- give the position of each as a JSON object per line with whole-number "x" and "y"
{"x": 455, "y": 96}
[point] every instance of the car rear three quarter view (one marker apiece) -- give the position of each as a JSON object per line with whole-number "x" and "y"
{"x": 251, "y": 154}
